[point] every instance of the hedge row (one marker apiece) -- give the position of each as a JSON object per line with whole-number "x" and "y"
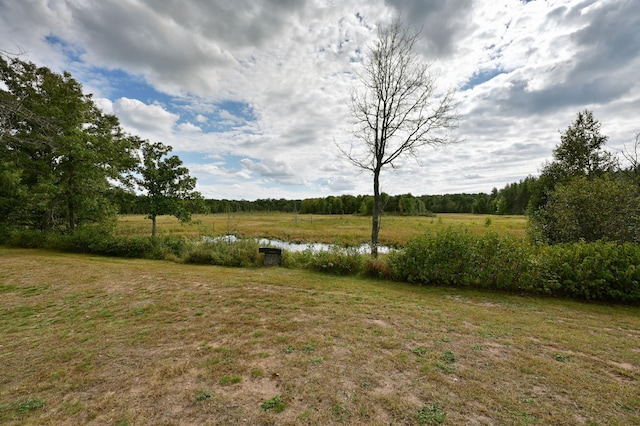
{"x": 603, "y": 271}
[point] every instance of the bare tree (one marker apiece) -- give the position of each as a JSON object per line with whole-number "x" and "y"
{"x": 632, "y": 155}
{"x": 397, "y": 110}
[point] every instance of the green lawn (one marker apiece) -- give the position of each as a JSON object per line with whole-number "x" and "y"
{"x": 91, "y": 340}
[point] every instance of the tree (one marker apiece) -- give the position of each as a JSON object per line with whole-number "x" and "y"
{"x": 66, "y": 152}
{"x": 166, "y": 184}
{"x": 581, "y": 152}
{"x": 632, "y": 155}
{"x": 397, "y": 109}
{"x": 589, "y": 209}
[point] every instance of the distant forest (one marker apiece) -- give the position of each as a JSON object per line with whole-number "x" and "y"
{"x": 510, "y": 200}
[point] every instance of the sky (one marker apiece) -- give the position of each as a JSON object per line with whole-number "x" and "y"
{"x": 253, "y": 95}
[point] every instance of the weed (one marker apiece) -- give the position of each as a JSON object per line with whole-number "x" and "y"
{"x": 203, "y": 395}
{"x": 230, "y": 380}
{"x": 342, "y": 414}
{"x": 420, "y": 351}
{"x": 431, "y": 414}
{"x": 448, "y": 357}
{"x": 257, "y": 373}
{"x": 289, "y": 349}
{"x": 30, "y": 405}
{"x": 446, "y": 368}
{"x": 561, "y": 357}
{"x": 274, "y": 404}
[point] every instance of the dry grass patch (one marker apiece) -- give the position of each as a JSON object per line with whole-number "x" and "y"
{"x": 90, "y": 340}
{"x": 342, "y": 229}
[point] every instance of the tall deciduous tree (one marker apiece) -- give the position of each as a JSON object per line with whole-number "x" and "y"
{"x": 65, "y": 150}
{"x": 167, "y": 186}
{"x": 396, "y": 110}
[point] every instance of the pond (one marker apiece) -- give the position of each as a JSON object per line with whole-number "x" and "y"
{"x": 298, "y": 247}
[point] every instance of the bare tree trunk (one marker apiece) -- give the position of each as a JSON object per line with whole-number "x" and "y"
{"x": 153, "y": 227}
{"x": 377, "y": 211}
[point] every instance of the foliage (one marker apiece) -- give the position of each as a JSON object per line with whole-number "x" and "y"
{"x": 99, "y": 240}
{"x": 167, "y": 186}
{"x": 431, "y": 414}
{"x": 337, "y": 261}
{"x": 589, "y": 209}
{"x": 455, "y": 257}
{"x": 63, "y": 150}
{"x": 240, "y": 253}
{"x": 275, "y": 404}
{"x": 604, "y": 271}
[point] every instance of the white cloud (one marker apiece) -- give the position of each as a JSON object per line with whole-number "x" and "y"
{"x": 137, "y": 116}
{"x": 189, "y": 128}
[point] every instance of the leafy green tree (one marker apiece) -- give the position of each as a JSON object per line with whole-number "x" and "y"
{"x": 589, "y": 209}
{"x": 397, "y": 109}
{"x": 581, "y": 152}
{"x": 167, "y": 186}
{"x": 65, "y": 150}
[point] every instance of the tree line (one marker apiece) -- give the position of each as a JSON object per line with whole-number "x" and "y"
{"x": 511, "y": 200}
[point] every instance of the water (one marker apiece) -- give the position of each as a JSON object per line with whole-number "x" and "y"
{"x": 298, "y": 247}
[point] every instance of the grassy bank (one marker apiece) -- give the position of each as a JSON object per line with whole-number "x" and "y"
{"x": 347, "y": 229}
{"x": 91, "y": 340}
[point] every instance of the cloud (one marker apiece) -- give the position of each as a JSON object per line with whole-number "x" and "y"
{"x": 268, "y": 82}
{"x": 139, "y": 117}
{"x": 276, "y": 170}
{"x": 189, "y": 128}
{"x": 442, "y": 22}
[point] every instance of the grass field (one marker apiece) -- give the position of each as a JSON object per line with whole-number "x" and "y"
{"x": 105, "y": 341}
{"x": 347, "y": 229}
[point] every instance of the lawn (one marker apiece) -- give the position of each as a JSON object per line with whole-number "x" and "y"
{"x": 341, "y": 229}
{"x": 92, "y": 340}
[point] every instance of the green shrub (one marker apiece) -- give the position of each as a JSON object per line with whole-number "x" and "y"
{"x": 604, "y": 271}
{"x": 435, "y": 258}
{"x": 27, "y": 238}
{"x": 241, "y": 253}
{"x": 337, "y": 260}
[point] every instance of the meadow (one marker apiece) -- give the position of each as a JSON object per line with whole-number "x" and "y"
{"x": 339, "y": 229}
{"x": 94, "y": 340}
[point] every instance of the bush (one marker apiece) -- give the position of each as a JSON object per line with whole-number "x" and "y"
{"x": 240, "y": 253}
{"x": 378, "y": 268}
{"x": 337, "y": 260}
{"x": 435, "y": 258}
{"x": 27, "y": 238}
{"x": 603, "y": 271}
{"x": 588, "y": 209}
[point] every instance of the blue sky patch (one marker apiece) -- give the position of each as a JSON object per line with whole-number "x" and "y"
{"x": 481, "y": 77}
{"x": 71, "y": 52}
